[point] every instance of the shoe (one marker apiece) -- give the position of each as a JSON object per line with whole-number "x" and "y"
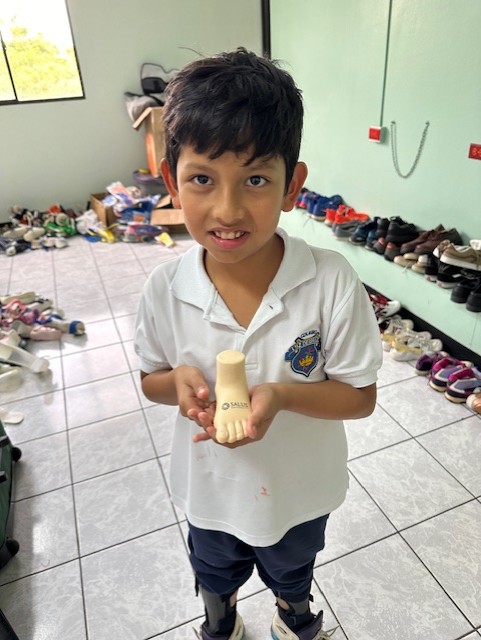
{"x": 362, "y": 231}
{"x": 408, "y": 247}
{"x": 431, "y": 266}
{"x": 425, "y": 363}
{"x": 473, "y": 401}
{"x": 420, "y": 265}
{"x": 392, "y": 250}
{"x": 462, "y": 256}
{"x": 395, "y": 328}
{"x": 402, "y": 261}
{"x": 447, "y": 276}
{"x": 345, "y": 230}
{"x": 371, "y": 240}
{"x": 414, "y": 347}
{"x": 460, "y": 390}
{"x": 400, "y": 232}
{"x": 382, "y": 227}
{"x": 380, "y": 246}
{"x": 383, "y": 308}
{"x": 450, "y": 235}
{"x": 314, "y": 631}
{"x": 350, "y": 215}
{"x": 473, "y": 302}
{"x": 439, "y": 378}
{"x": 465, "y": 285}
{"x": 237, "y": 633}
{"x": 318, "y": 209}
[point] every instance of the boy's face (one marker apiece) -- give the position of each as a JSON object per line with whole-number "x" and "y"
{"x": 230, "y": 208}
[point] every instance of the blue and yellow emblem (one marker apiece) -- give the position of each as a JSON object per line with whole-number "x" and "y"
{"x": 304, "y": 353}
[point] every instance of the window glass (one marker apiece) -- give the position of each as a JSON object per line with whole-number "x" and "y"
{"x": 39, "y": 60}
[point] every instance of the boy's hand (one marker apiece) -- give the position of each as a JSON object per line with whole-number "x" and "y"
{"x": 265, "y": 404}
{"x": 192, "y": 393}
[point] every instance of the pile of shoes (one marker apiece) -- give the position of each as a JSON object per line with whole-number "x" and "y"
{"x": 404, "y": 344}
{"x": 438, "y": 254}
{"x": 33, "y": 317}
{"x": 29, "y": 229}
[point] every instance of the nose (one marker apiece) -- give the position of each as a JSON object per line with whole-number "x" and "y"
{"x": 229, "y": 207}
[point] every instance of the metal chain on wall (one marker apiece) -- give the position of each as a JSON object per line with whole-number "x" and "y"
{"x": 395, "y": 159}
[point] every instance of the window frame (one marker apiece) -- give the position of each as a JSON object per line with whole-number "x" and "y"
{"x": 42, "y": 100}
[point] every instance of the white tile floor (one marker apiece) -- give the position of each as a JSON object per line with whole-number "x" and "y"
{"x": 103, "y": 551}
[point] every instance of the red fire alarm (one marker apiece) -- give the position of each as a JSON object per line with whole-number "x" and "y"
{"x": 376, "y": 134}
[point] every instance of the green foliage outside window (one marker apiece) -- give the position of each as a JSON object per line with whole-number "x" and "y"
{"x": 38, "y": 68}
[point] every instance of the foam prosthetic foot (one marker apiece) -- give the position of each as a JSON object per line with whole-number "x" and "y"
{"x": 232, "y": 397}
{"x": 18, "y": 356}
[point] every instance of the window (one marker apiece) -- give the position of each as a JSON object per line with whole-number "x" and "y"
{"x": 37, "y": 56}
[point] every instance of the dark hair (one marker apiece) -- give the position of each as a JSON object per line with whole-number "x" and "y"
{"x": 236, "y": 102}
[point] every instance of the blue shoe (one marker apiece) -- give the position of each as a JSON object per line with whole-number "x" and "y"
{"x": 314, "y": 631}
{"x": 360, "y": 235}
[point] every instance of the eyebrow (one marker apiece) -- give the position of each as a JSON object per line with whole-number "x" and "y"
{"x": 255, "y": 166}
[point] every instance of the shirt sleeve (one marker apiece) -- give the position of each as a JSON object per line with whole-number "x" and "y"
{"x": 352, "y": 344}
{"x": 147, "y": 336}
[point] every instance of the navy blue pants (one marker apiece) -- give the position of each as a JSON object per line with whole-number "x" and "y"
{"x": 223, "y": 563}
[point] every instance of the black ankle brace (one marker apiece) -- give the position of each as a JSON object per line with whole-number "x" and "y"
{"x": 298, "y": 615}
{"x": 219, "y": 613}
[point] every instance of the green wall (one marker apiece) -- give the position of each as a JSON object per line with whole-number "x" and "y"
{"x": 369, "y": 62}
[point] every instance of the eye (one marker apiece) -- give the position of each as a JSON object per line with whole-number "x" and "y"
{"x": 202, "y": 180}
{"x": 256, "y": 181}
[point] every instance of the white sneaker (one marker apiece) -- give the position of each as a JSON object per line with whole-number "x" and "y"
{"x": 314, "y": 631}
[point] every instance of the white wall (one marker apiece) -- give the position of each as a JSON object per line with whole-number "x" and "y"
{"x": 60, "y": 152}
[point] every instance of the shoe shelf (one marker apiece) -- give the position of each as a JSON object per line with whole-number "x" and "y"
{"x": 417, "y": 295}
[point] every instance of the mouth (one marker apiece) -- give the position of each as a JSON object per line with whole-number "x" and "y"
{"x": 228, "y": 235}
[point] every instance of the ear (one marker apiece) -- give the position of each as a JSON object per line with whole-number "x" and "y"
{"x": 298, "y": 178}
{"x": 170, "y": 183}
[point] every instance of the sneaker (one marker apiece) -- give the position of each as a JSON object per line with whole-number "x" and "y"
{"x": 447, "y": 276}
{"x": 237, "y": 633}
{"x": 473, "y": 302}
{"x": 395, "y": 328}
{"x": 380, "y": 246}
{"x": 462, "y": 256}
{"x": 402, "y": 261}
{"x": 371, "y": 240}
{"x": 362, "y": 231}
{"x": 425, "y": 363}
{"x": 474, "y": 402}
{"x": 392, "y": 250}
{"x": 439, "y": 379}
{"x": 383, "y": 308}
{"x": 382, "y": 227}
{"x": 400, "y": 232}
{"x": 314, "y": 631}
{"x": 420, "y": 265}
{"x": 318, "y": 209}
{"x": 460, "y": 390}
{"x": 344, "y": 231}
{"x": 465, "y": 285}
{"x": 414, "y": 347}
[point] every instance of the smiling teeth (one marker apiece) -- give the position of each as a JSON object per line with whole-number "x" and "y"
{"x": 229, "y": 235}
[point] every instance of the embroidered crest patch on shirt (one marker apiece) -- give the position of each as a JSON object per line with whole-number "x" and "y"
{"x": 304, "y": 353}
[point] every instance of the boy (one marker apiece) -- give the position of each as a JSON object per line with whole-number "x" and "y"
{"x": 300, "y": 315}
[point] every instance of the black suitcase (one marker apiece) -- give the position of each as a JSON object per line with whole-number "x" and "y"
{"x": 8, "y": 454}
{"x": 8, "y": 545}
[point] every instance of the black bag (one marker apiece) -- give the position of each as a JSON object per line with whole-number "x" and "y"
{"x": 8, "y": 454}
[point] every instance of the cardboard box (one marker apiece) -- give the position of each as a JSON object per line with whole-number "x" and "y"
{"x": 152, "y": 119}
{"x": 106, "y": 215}
{"x": 173, "y": 219}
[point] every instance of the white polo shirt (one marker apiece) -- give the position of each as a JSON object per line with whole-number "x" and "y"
{"x": 315, "y": 322}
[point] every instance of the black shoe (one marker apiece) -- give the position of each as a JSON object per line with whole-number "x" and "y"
{"x": 448, "y": 276}
{"x": 400, "y": 232}
{"x": 473, "y": 303}
{"x": 466, "y": 285}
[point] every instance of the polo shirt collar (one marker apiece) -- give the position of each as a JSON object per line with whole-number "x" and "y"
{"x": 191, "y": 283}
